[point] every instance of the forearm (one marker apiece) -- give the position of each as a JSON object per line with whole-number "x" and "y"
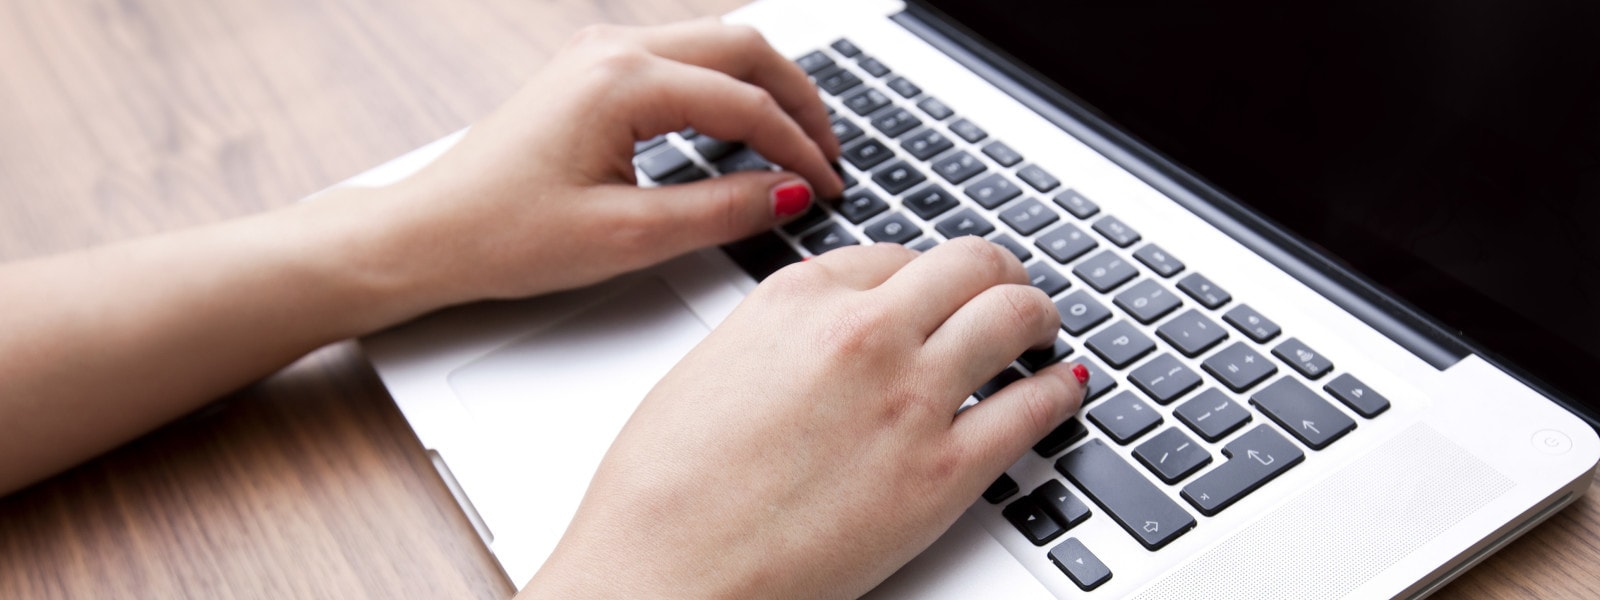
{"x": 101, "y": 345}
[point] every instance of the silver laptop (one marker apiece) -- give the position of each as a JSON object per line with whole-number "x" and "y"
{"x": 1317, "y": 373}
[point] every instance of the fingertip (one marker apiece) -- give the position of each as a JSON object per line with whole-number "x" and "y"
{"x": 790, "y": 198}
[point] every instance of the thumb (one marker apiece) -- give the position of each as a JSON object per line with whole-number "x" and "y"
{"x": 725, "y": 209}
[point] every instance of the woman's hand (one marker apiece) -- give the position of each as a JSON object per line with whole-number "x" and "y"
{"x": 541, "y": 196}
{"x": 810, "y": 446}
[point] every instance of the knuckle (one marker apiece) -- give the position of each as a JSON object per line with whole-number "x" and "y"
{"x": 856, "y": 333}
{"x": 747, "y": 36}
{"x": 1027, "y": 308}
{"x": 991, "y": 258}
{"x": 620, "y": 62}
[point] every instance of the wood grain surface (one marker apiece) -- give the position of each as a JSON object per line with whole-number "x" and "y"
{"x": 129, "y": 117}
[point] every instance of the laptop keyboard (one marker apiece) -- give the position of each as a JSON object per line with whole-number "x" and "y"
{"x": 1187, "y": 370}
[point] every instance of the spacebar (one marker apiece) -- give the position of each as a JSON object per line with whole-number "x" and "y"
{"x": 1135, "y": 503}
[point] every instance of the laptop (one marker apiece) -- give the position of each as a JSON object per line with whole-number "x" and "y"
{"x": 1328, "y": 263}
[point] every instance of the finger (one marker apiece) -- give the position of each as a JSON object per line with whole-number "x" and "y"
{"x": 863, "y": 267}
{"x": 934, "y": 286}
{"x": 673, "y": 95}
{"x": 997, "y": 431}
{"x": 741, "y": 52}
{"x": 671, "y": 220}
{"x": 989, "y": 332}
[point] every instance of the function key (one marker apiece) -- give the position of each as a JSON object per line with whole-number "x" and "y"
{"x": 844, "y": 129}
{"x": 1077, "y": 204}
{"x": 866, "y": 101}
{"x": 1120, "y": 344}
{"x": 1171, "y": 455}
{"x": 1203, "y": 291}
{"x": 935, "y": 108}
{"x": 867, "y": 153}
{"x": 897, "y": 177}
{"x": 1080, "y": 313}
{"x": 1081, "y": 566}
{"x": 1212, "y": 414}
{"x": 845, "y": 48}
{"x": 930, "y": 201}
{"x": 1040, "y": 180}
{"x": 1009, "y": 243}
{"x": 1255, "y": 458}
{"x": 1239, "y": 367}
{"x": 1105, "y": 271}
{"x": 904, "y": 87}
{"x": 1141, "y": 508}
{"x": 1357, "y": 396}
{"x": 1035, "y": 360}
{"x": 925, "y": 143}
{"x": 872, "y": 66}
{"x": 1065, "y": 243}
{"x": 1061, "y": 504}
{"x": 1159, "y": 260}
{"x": 895, "y": 228}
{"x": 1001, "y": 153}
{"x": 969, "y": 132}
{"x": 828, "y": 238}
{"x": 1305, "y": 360}
{"x": 1251, "y": 323}
{"x": 860, "y": 205}
{"x": 835, "y": 80}
{"x": 1147, "y": 301}
{"x": 814, "y": 61}
{"x": 1114, "y": 230}
{"x": 662, "y": 163}
{"x": 958, "y": 167}
{"x": 1064, "y": 435}
{"x": 993, "y": 190}
{"x": 1125, "y": 417}
{"x": 965, "y": 222}
{"x": 1028, "y": 216}
{"x": 1164, "y": 379}
{"x": 1029, "y": 518}
{"x": 1300, "y": 410}
{"x": 1047, "y": 279}
{"x": 1191, "y": 333}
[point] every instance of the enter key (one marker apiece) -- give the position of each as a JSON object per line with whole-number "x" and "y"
{"x": 1254, "y": 458}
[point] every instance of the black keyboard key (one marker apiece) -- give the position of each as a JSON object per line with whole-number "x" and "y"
{"x": 1357, "y": 396}
{"x": 872, "y": 66}
{"x": 1105, "y": 271}
{"x": 1100, "y": 381}
{"x": 1065, "y": 243}
{"x": 845, "y": 130}
{"x": 895, "y": 229}
{"x": 993, "y": 190}
{"x": 1002, "y": 488}
{"x": 1171, "y": 455}
{"x": 1159, "y": 260}
{"x": 1010, "y": 243}
{"x": 814, "y": 61}
{"x": 1203, "y": 291}
{"x": 1038, "y": 178}
{"x": 1239, "y": 367}
{"x": 897, "y": 177}
{"x": 640, "y": 146}
{"x": 1212, "y": 414}
{"x": 1302, "y": 358}
{"x": 845, "y": 48}
{"x": 965, "y": 222}
{"x": 1044, "y": 357}
{"x": 1001, "y": 153}
{"x": 895, "y": 121}
{"x": 1007, "y": 377}
{"x": 866, "y": 101}
{"x": 661, "y": 163}
{"x": 1029, "y": 518}
{"x": 1255, "y": 458}
{"x": 1191, "y": 333}
{"x": 689, "y": 175}
{"x": 1164, "y": 379}
{"x": 844, "y": 177}
{"x": 1080, "y": 312}
{"x": 743, "y": 159}
{"x": 1147, "y": 301}
{"x": 968, "y": 131}
{"x": 867, "y": 153}
{"x": 860, "y": 205}
{"x": 1307, "y": 416}
{"x": 1125, "y": 417}
{"x": 925, "y": 144}
{"x": 688, "y": 133}
{"x": 934, "y": 108}
{"x": 1063, "y": 436}
{"x": 1081, "y": 566}
{"x": 835, "y": 80}
{"x": 904, "y": 87}
{"x": 1251, "y": 323}
{"x": 713, "y": 149}
{"x": 1120, "y": 344}
{"x": 1060, "y": 504}
{"x": 1046, "y": 278}
{"x": 958, "y": 167}
{"x": 761, "y": 254}
{"x": 1122, "y": 492}
{"x": 828, "y": 238}
{"x": 1028, "y": 216}
{"x": 813, "y": 217}
{"x": 930, "y": 201}
{"x": 1116, "y": 231}
{"x": 1077, "y": 204}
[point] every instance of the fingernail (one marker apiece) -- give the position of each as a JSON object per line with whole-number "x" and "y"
{"x": 1081, "y": 372}
{"x": 790, "y": 199}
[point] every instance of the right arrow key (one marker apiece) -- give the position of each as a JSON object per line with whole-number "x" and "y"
{"x": 1254, "y": 458}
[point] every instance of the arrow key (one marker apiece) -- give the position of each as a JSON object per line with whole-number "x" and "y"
{"x": 1061, "y": 504}
{"x": 1081, "y": 565}
{"x": 1254, "y": 458}
{"x": 1295, "y": 407}
{"x": 1031, "y": 520}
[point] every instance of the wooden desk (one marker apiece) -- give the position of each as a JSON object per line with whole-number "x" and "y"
{"x": 120, "y": 119}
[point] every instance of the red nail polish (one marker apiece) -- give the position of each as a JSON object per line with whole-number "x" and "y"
{"x": 1081, "y": 372}
{"x": 790, "y": 199}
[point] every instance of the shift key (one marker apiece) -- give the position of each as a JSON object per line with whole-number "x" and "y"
{"x": 1124, "y": 493}
{"x": 1254, "y": 458}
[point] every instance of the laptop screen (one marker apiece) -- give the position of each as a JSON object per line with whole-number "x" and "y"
{"x": 1449, "y": 151}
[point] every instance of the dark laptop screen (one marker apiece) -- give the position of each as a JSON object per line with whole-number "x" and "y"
{"x": 1450, "y": 151}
